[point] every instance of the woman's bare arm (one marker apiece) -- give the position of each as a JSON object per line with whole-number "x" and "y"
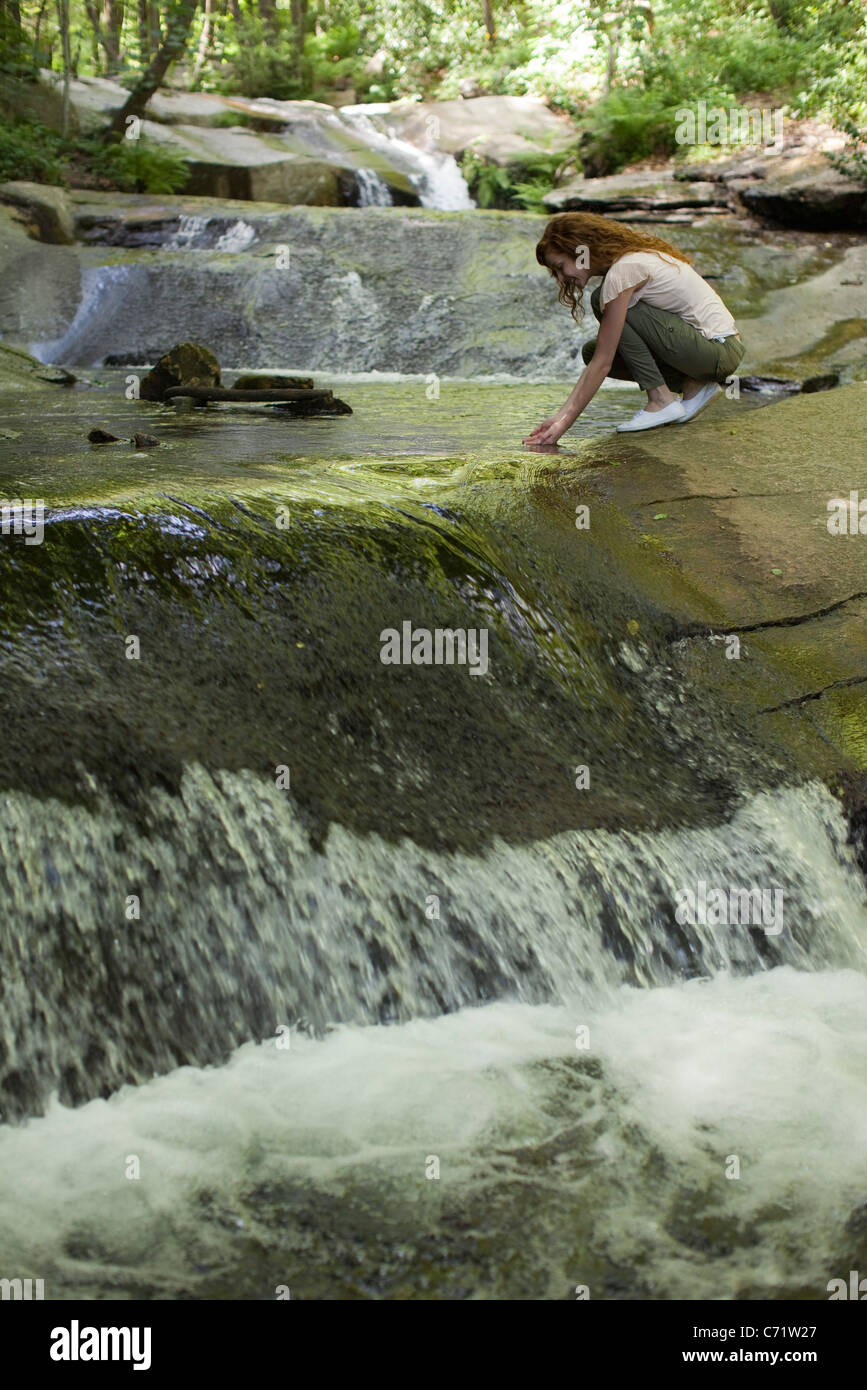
{"x": 610, "y": 329}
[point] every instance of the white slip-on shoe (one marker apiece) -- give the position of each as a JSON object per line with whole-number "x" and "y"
{"x": 651, "y": 419}
{"x": 696, "y": 404}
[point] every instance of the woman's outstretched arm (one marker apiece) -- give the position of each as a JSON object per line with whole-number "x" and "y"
{"x": 610, "y": 329}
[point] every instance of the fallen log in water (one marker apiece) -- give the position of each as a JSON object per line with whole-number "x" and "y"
{"x": 231, "y": 393}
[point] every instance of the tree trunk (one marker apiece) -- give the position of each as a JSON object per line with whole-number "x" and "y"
{"x": 39, "y": 19}
{"x": 268, "y": 13}
{"x": 112, "y": 14}
{"x": 95, "y": 30}
{"x": 611, "y": 64}
{"x": 155, "y": 33}
{"x": 298, "y": 12}
{"x": 178, "y": 25}
{"x": 204, "y": 45}
{"x": 488, "y": 12}
{"x": 63, "y": 22}
{"x": 144, "y": 38}
{"x": 11, "y": 33}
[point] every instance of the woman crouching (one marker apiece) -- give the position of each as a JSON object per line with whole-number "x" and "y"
{"x": 660, "y": 324}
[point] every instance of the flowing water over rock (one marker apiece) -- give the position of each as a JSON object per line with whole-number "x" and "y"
{"x": 349, "y": 289}
{"x": 434, "y": 174}
{"x": 297, "y": 930}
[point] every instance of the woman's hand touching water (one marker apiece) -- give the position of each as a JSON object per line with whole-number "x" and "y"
{"x": 610, "y": 329}
{"x": 551, "y": 429}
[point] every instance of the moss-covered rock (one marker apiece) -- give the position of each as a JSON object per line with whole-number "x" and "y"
{"x": 186, "y": 364}
{"x": 48, "y": 207}
{"x": 19, "y": 370}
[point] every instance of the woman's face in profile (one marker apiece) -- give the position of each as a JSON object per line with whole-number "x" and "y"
{"x": 566, "y": 269}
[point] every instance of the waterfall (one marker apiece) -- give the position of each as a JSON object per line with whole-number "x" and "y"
{"x": 392, "y": 878}
{"x": 373, "y": 191}
{"x": 244, "y": 924}
{"x": 189, "y": 230}
{"x": 328, "y": 974}
{"x": 135, "y": 304}
{"x": 435, "y": 175}
{"x": 442, "y": 185}
{"x": 236, "y": 237}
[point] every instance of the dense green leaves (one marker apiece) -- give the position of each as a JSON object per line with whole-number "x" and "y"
{"x": 621, "y": 67}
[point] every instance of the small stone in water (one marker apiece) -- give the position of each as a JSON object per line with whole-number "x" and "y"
{"x": 145, "y": 441}
{"x": 631, "y": 658}
{"x": 102, "y": 437}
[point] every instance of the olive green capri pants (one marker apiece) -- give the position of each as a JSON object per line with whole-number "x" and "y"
{"x": 659, "y": 347}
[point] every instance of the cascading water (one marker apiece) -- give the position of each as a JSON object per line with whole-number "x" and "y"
{"x": 284, "y": 923}
{"x": 436, "y": 176}
{"x": 189, "y": 230}
{"x": 373, "y": 191}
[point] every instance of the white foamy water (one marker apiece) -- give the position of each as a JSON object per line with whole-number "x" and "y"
{"x": 343, "y": 933}
{"x": 373, "y": 191}
{"x": 103, "y": 292}
{"x": 436, "y": 176}
{"x": 261, "y": 1170}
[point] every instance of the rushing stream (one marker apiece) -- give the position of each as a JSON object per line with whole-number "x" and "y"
{"x": 332, "y": 974}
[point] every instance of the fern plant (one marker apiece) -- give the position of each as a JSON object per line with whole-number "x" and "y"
{"x": 853, "y": 160}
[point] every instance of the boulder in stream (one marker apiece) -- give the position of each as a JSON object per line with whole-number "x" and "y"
{"x": 18, "y": 368}
{"x": 186, "y": 364}
{"x": 808, "y": 192}
{"x": 48, "y": 209}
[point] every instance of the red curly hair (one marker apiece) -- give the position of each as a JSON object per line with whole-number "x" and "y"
{"x": 606, "y": 241}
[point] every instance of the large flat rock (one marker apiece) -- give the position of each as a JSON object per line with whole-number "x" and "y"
{"x": 808, "y": 192}
{"x": 816, "y": 325}
{"x": 40, "y": 284}
{"x": 655, "y": 192}
{"x": 47, "y": 207}
{"x": 501, "y": 129}
{"x": 731, "y": 513}
{"x": 281, "y": 168}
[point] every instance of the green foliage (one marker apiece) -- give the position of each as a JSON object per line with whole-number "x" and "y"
{"x": 623, "y": 67}
{"x": 227, "y": 119}
{"x": 16, "y": 55}
{"x": 629, "y": 124}
{"x": 533, "y": 178}
{"x": 487, "y": 182}
{"x": 333, "y": 59}
{"x": 497, "y": 69}
{"x": 28, "y": 150}
{"x": 838, "y": 84}
{"x": 139, "y": 166}
{"x": 262, "y": 63}
{"x": 853, "y": 160}
{"x": 520, "y": 186}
